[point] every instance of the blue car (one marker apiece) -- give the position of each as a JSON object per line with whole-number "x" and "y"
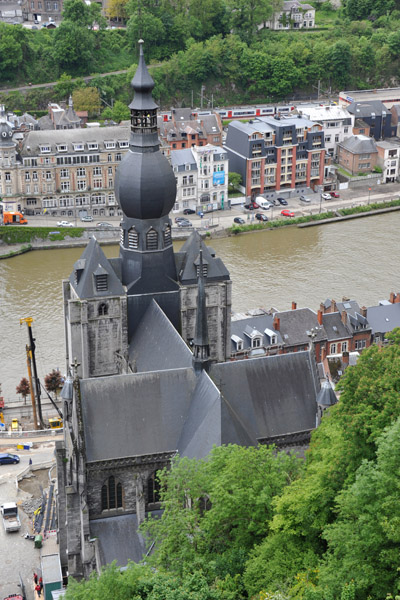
{"x": 8, "y": 459}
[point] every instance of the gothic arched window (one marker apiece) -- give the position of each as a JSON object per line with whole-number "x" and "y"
{"x": 102, "y": 309}
{"x": 111, "y": 494}
{"x": 153, "y": 488}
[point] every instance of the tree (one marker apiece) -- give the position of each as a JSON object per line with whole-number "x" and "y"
{"x": 64, "y": 87}
{"x": 87, "y": 99}
{"x": 150, "y": 28}
{"x": 23, "y": 388}
{"x": 235, "y": 179}
{"x": 120, "y": 112}
{"x": 73, "y": 46}
{"x": 53, "y": 381}
{"x": 216, "y": 510}
{"x": 116, "y": 9}
{"x": 246, "y": 15}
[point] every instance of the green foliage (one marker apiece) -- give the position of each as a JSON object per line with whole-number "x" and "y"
{"x": 234, "y": 180}
{"x": 21, "y": 234}
{"x": 369, "y": 207}
{"x": 216, "y": 510}
{"x": 73, "y": 46}
{"x": 87, "y": 99}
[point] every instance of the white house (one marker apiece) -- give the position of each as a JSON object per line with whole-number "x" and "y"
{"x": 293, "y": 15}
{"x": 336, "y": 121}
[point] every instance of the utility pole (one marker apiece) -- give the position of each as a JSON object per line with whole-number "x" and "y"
{"x": 28, "y": 321}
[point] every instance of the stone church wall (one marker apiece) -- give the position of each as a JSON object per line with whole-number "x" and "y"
{"x": 218, "y": 301}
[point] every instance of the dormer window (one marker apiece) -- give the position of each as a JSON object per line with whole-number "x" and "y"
{"x": 124, "y": 144}
{"x": 45, "y": 149}
{"x": 272, "y": 336}
{"x": 78, "y": 147}
{"x": 62, "y": 148}
{"x": 256, "y": 342}
{"x": 205, "y": 270}
{"x": 101, "y": 282}
{"x": 109, "y": 145}
{"x": 78, "y": 275}
{"x": 238, "y": 342}
{"x": 93, "y": 146}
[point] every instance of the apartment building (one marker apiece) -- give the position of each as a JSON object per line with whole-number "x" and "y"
{"x": 64, "y": 172}
{"x": 388, "y": 160}
{"x": 201, "y": 176}
{"x": 273, "y": 153}
{"x": 336, "y": 122}
{"x": 181, "y": 129}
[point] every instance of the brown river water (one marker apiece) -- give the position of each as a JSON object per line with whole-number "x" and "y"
{"x": 357, "y": 259}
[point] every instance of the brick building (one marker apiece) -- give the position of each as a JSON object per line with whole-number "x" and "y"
{"x": 276, "y": 153}
{"x": 357, "y": 154}
{"x": 184, "y": 130}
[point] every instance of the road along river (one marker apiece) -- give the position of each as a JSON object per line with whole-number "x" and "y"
{"x": 357, "y": 258}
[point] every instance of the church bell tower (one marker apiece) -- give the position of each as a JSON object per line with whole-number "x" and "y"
{"x": 145, "y": 190}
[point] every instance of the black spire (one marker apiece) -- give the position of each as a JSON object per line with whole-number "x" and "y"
{"x": 145, "y": 188}
{"x": 201, "y": 347}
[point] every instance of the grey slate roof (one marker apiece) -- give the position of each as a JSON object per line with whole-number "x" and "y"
{"x": 260, "y": 323}
{"x": 366, "y": 108}
{"x": 156, "y": 345}
{"x": 294, "y": 325}
{"x": 334, "y": 327}
{"x": 359, "y": 144}
{"x": 183, "y": 157}
{"x": 384, "y": 318}
{"x": 119, "y": 539}
{"x": 272, "y": 395}
{"x": 188, "y": 256}
{"x": 143, "y": 413}
{"x": 100, "y": 135}
{"x": 93, "y": 261}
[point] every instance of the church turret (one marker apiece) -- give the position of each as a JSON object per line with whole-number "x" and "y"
{"x": 145, "y": 189}
{"x": 201, "y": 346}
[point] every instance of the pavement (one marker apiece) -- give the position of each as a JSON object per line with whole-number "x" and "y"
{"x": 18, "y": 556}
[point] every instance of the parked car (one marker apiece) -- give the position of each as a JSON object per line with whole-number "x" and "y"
{"x": 261, "y": 217}
{"x": 8, "y": 459}
{"x": 252, "y": 206}
{"x": 283, "y": 201}
{"x": 86, "y": 218}
{"x": 287, "y": 213}
{"x": 177, "y": 219}
{"x": 304, "y": 199}
{"x": 64, "y": 224}
{"x": 184, "y": 223}
{"x": 239, "y": 220}
{"x": 104, "y": 224}
{"x": 275, "y": 202}
{"x": 189, "y": 211}
{"x": 326, "y": 196}
{"x": 335, "y": 194}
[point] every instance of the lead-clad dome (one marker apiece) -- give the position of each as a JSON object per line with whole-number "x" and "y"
{"x": 145, "y": 185}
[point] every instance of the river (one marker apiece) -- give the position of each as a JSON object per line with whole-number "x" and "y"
{"x": 356, "y": 258}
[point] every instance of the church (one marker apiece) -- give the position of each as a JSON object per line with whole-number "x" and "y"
{"x": 148, "y": 350}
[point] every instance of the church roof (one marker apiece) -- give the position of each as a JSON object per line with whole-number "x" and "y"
{"x": 156, "y": 345}
{"x": 188, "y": 257}
{"x": 280, "y": 392}
{"x": 94, "y": 262}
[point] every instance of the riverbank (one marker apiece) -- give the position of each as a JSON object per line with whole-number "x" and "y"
{"x": 79, "y": 237}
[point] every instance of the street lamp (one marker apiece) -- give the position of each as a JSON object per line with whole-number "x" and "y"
{"x": 369, "y": 194}
{"x": 320, "y": 199}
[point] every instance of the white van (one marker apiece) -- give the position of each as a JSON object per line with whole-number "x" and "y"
{"x": 263, "y": 203}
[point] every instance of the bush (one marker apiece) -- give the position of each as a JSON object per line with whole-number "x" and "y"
{"x": 21, "y": 234}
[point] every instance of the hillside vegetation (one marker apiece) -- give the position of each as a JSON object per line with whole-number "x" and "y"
{"x": 202, "y": 42}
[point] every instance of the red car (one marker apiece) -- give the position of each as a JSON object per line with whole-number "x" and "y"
{"x": 335, "y": 195}
{"x": 287, "y": 213}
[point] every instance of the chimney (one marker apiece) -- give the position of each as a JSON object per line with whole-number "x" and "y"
{"x": 323, "y": 353}
{"x": 364, "y": 311}
{"x": 392, "y": 297}
{"x": 397, "y": 298}
{"x": 277, "y": 323}
{"x": 320, "y": 317}
{"x": 344, "y": 317}
{"x": 345, "y": 299}
{"x": 333, "y": 306}
{"x": 294, "y": 305}
{"x": 322, "y": 307}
